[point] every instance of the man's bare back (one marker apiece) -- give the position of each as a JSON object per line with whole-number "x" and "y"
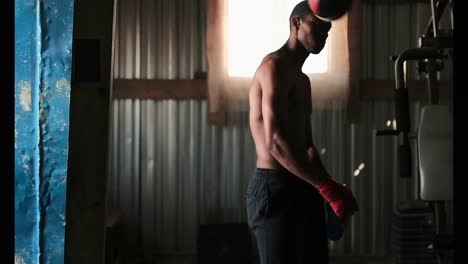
{"x": 295, "y": 93}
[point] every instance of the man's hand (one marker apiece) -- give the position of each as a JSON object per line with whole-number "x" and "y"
{"x": 345, "y": 220}
{"x": 339, "y": 197}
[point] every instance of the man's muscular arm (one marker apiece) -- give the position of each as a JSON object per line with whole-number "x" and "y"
{"x": 274, "y": 111}
{"x": 312, "y": 155}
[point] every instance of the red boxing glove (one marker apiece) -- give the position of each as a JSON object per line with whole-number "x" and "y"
{"x": 339, "y": 197}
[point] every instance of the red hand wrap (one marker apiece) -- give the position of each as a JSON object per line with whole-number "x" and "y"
{"x": 339, "y": 197}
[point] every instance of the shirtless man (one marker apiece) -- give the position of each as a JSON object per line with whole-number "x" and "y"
{"x": 285, "y": 197}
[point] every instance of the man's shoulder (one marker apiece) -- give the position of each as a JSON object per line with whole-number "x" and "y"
{"x": 272, "y": 64}
{"x": 306, "y": 78}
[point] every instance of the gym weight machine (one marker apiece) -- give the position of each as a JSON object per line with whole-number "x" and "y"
{"x": 419, "y": 226}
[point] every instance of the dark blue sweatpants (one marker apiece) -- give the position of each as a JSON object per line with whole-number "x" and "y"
{"x": 287, "y": 216}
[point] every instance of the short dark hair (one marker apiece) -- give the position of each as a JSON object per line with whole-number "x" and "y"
{"x": 301, "y": 10}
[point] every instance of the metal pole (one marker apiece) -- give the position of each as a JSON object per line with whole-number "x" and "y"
{"x": 433, "y": 92}
{"x": 451, "y": 11}
{"x": 435, "y": 19}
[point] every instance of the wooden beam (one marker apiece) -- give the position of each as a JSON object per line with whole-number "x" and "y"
{"x": 215, "y": 55}
{"x": 384, "y": 89}
{"x": 197, "y": 89}
{"x": 159, "y": 89}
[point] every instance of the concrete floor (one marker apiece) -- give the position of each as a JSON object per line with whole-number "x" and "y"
{"x": 190, "y": 259}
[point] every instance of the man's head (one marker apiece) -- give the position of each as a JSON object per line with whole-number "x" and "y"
{"x": 310, "y": 31}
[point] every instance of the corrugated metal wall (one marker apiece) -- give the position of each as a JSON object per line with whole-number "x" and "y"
{"x": 388, "y": 28}
{"x": 160, "y": 39}
{"x": 171, "y": 171}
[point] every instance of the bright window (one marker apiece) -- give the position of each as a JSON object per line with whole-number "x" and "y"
{"x": 258, "y": 27}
